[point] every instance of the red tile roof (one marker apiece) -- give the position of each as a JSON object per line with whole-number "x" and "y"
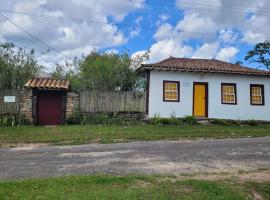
{"x": 47, "y": 83}
{"x": 202, "y": 65}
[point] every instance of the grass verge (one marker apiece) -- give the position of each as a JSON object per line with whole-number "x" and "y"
{"x": 77, "y": 134}
{"x": 130, "y": 187}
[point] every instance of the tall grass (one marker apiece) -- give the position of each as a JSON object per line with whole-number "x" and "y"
{"x": 7, "y": 120}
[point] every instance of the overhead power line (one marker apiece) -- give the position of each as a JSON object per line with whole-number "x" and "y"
{"x": 33, "y": 36}
{"x": 209, "y": 7}
{"x": 50, "y": 16}
{"x": 207, "y": 34}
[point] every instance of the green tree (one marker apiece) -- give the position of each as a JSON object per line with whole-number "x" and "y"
{"x": 111, "y": 71}
{"x": 17, "y": 65}
{"x": 104, "y": 72}
{"x": 260, "y": 54}
{"x": 59, "y": 72}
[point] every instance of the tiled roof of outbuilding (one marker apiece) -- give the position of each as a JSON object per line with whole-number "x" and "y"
{"x": 48, "y": 83}
{"x": 202, "y": 65}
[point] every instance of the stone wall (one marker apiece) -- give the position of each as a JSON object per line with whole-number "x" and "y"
{"x": 26, "y": 104}
{"x": 73, "y": 101}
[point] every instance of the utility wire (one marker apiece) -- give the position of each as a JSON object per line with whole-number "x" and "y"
{"x": 33, "y": 36}
{"x": 99, "y": 22}
{"x": 204, "y": 3}
{"x": 208, "y": 7}
{"x": 71, "y": 18}
{"x": 102, "y": 22}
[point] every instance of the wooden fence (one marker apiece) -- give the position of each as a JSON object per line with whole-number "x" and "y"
{"x": 9, "y": 107}
{"x": 95, "y": 101}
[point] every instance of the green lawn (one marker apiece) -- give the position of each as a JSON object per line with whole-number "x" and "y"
{"x": 130, "y": 187}
{"x": 113, "y": 133}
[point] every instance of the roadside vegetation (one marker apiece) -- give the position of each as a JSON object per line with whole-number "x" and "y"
{"x": 132, "y": 187}
{"x": 83, "y": 134}
{"x": 13, "y": 120}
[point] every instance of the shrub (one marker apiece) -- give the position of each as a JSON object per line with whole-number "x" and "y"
{"x": 219, "y": 122}
{"x": 74, "y": 119}
{"x": 236, "y": 122}
{"x": 13, "y": 120}
{"x": 154, "y": 120}
{"x": 100, "y": 119}
{"x": 165, "y": 121}
{"x": 191, "y": 120}
{"x": 252, "y": 122}
{"x": 168, "y": 121}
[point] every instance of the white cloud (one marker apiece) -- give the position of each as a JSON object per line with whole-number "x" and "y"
{"x": 63, "y": 30}
{"x": 227, "y": 53}
{"x": 112, "y": 51}
{"x": 253, "y": 37}
{"x": 256, "y": 29}
{"x": 206, "y": 51}
{"x": 136, "y": 31}
{"x": 224, "y": 26}
{"x": 163, "y": 17}
{"x": 67, "y": 35}
{"x": 216, "y": 15}
{"x": 165, "y": 48}
{"x": 118, "y": 9}
{"x": 2, "y": 40}
{"x": 170, "y": 47}
{"x": 165, "y": 31}
{"x": 138, "y": 54}
{"x": 195, "y": 23}
{"x": 26, "y": 21}
{"x": 227, "y": 36}
{"x": 49, "y": 62}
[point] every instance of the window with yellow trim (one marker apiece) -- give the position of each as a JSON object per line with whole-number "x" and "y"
{"x": 257, "y": 94}
{"x": 171, "y": 91}
{"x": 228, "y": 93}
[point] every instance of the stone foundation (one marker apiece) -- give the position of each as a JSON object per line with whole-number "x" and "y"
{"x": 137, "y": 116}
{"x": 73, "y": 101}
{"x": 25, "y": 107}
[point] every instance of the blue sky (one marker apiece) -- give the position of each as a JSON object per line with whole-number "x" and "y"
{"x": 219, "y": 29}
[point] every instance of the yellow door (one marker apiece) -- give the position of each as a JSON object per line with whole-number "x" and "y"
{"x": 199, "y": 100}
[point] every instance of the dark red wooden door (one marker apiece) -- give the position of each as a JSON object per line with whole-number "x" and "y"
{"x": 49, "y": 108}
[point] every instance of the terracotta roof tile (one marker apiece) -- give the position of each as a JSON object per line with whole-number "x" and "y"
{"x": 47, "y": 83}
{"x": 202, "y": 65}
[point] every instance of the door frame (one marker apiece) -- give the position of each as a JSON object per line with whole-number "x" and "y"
{"x": 206, "y": 97}
{"x": 35, "y": 103}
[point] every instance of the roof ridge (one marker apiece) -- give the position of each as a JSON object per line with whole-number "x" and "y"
{"x": 47, "y": 83}
{"x": 203, "y": 65}
{"x": 49, "y": 78}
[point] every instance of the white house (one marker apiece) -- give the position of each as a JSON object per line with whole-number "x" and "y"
{"x": 208, "y": 89}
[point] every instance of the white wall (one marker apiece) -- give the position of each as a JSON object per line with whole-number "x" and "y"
{"x": 242, "y": 111}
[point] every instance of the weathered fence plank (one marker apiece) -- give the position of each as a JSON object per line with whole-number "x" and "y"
{"x": 7, "y": 107}
{"x": 96, "y": 101}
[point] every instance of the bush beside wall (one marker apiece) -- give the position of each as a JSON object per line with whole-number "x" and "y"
{"x": 227, "y": 122}
{"x": 191, "y": 120}
{"x": 8, "y": 120}
{"x": 106, "y": 118}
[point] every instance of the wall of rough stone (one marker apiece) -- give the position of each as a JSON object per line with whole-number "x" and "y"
{"x": 73, "y": 103}
{"x": 25, "y": 107}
